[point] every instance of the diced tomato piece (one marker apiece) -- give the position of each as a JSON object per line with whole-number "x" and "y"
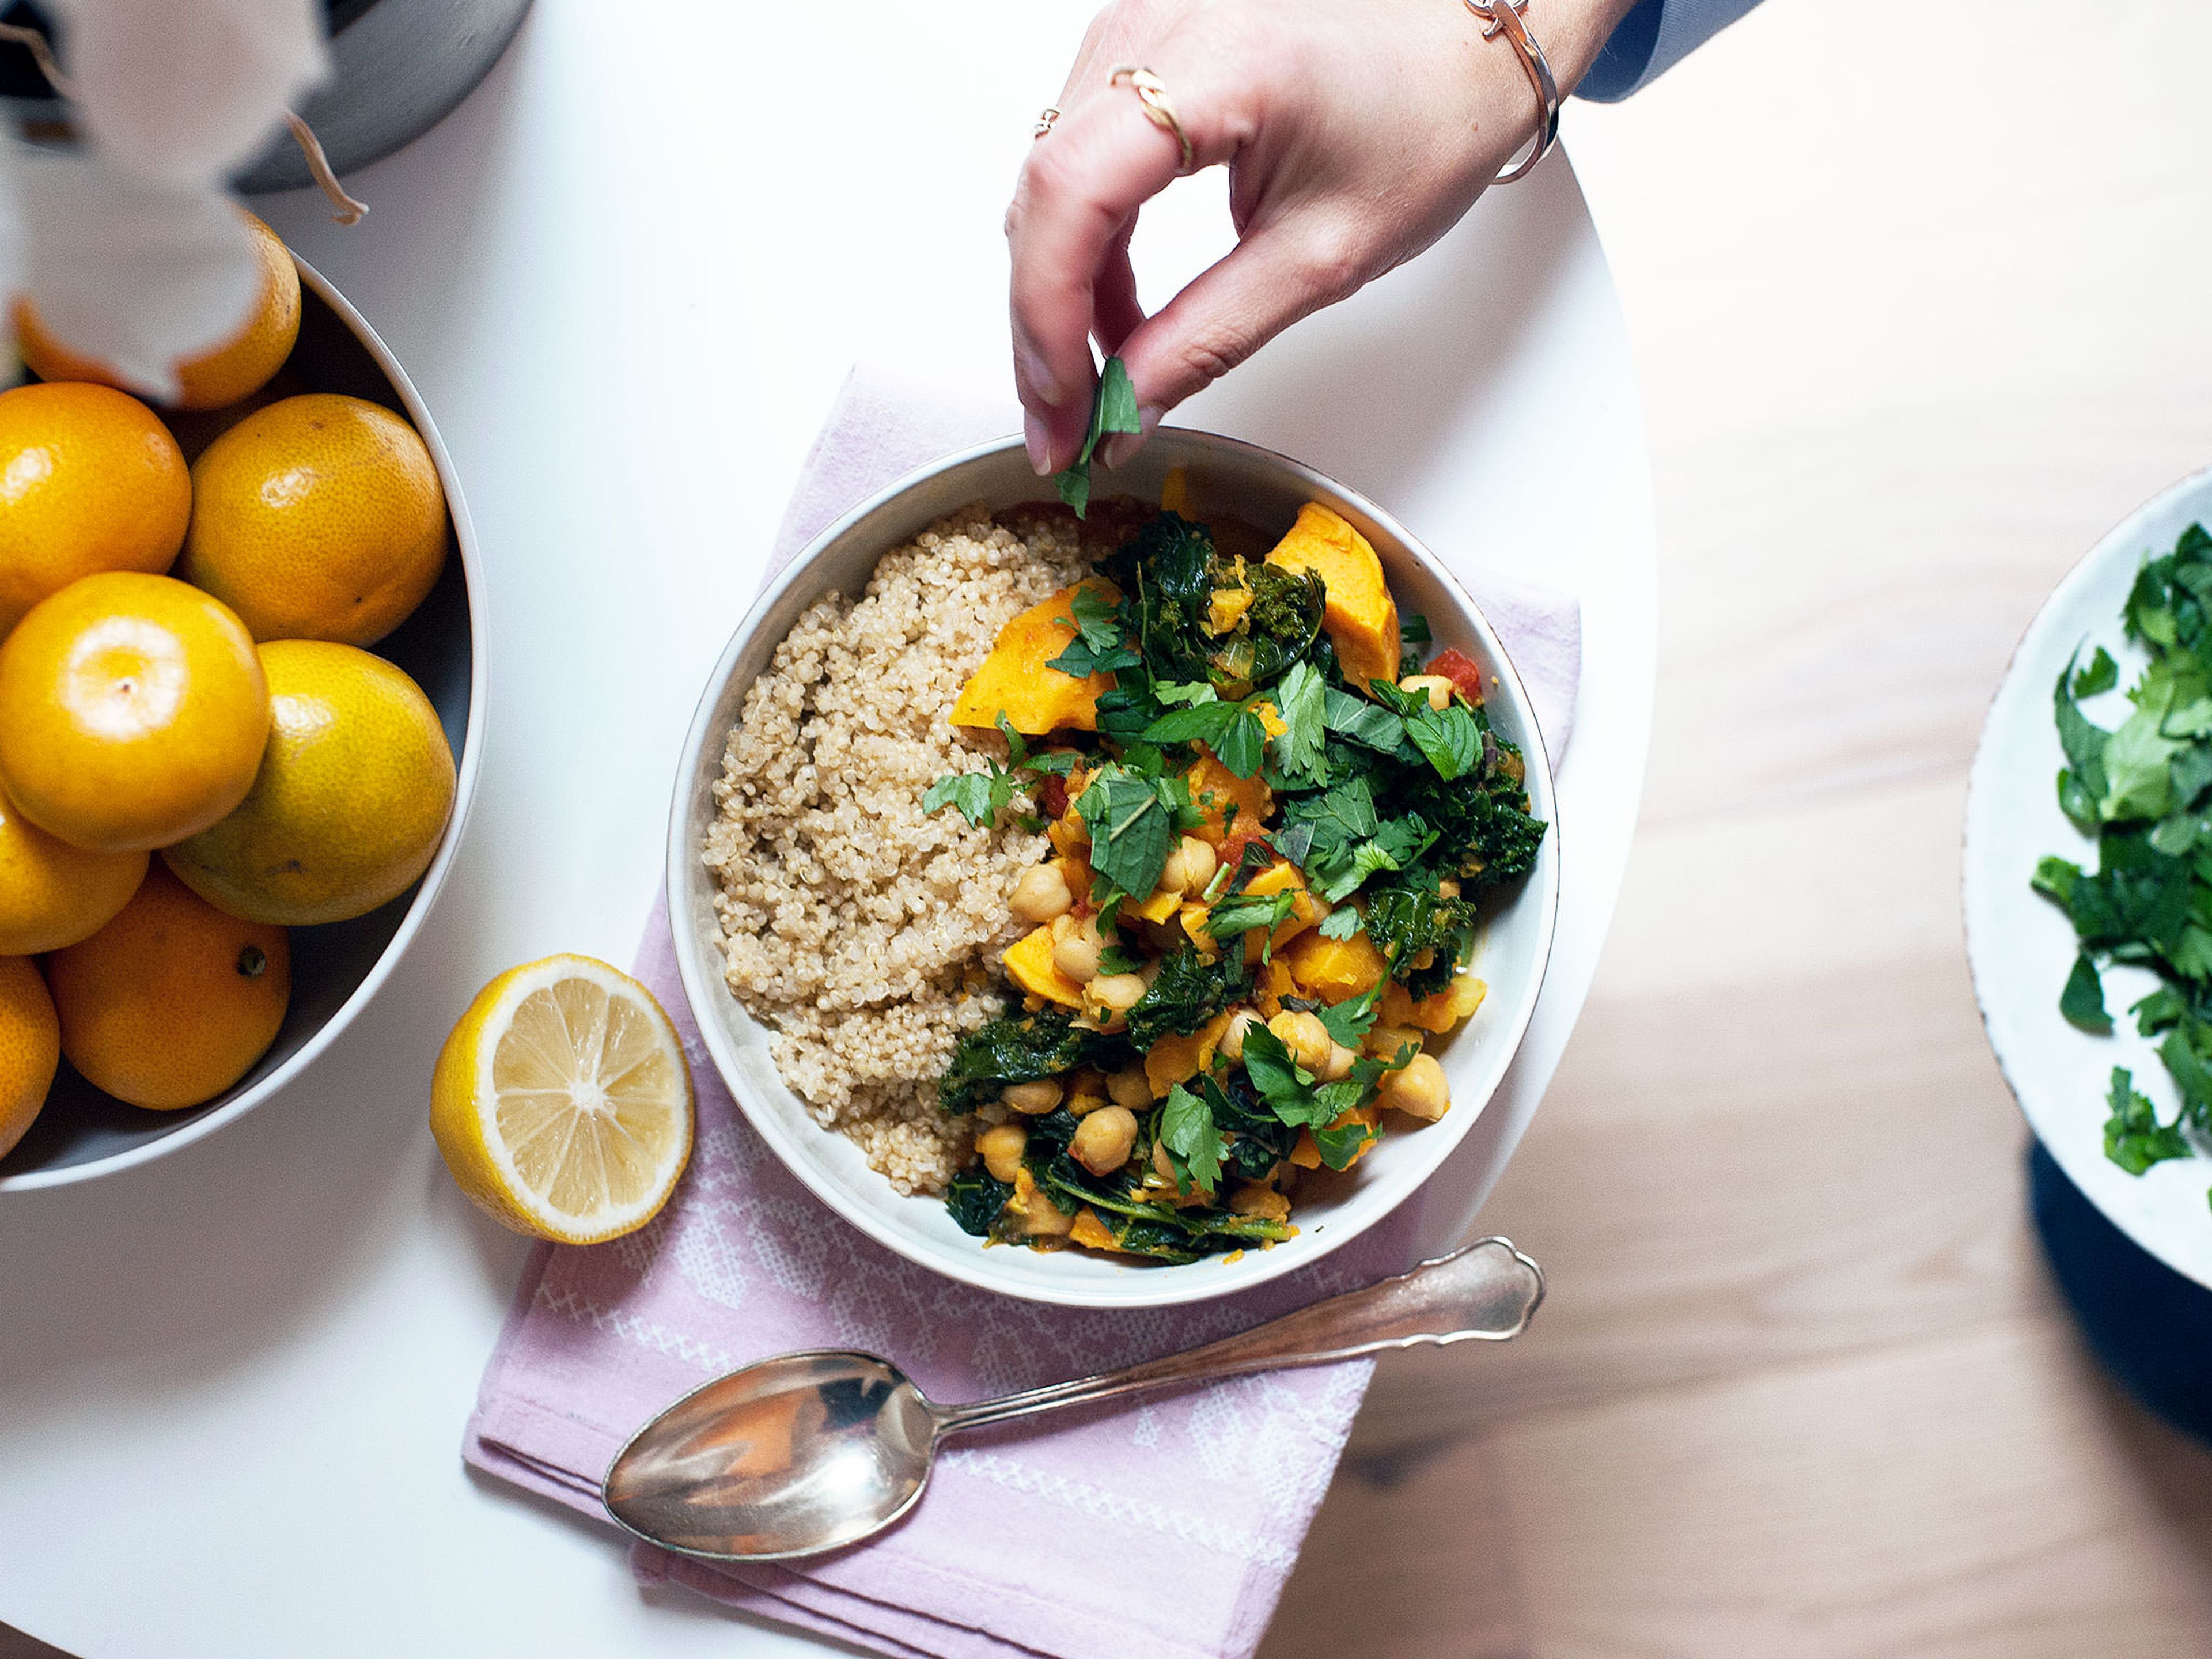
{"x": 1461, "y": 670}
{"x": 1232, "y": 850}
{"x": 1052, "y": 795}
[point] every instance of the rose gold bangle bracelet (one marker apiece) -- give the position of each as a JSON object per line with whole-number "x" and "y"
{"x": 1503, "y": 17}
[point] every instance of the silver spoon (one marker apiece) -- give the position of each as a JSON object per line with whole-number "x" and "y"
{"x": 809, "y": 1452}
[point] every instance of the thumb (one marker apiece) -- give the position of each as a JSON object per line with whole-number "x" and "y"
{"x": 1272, "y": 278}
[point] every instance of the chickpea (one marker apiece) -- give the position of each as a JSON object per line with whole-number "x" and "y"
{"x": 1419, "y": 1090}
{"x": 1132, "y": 1089}
{"x": 1339, "y": 1063}
{"x": 1001, "y": 1150}
{"x": 1437, "y": 689}
{"x": 1043, "y": 1218}
{"x": 1113, "y": 995}
{"x": 1233, "y": 1040}
{"x": 1040, "y": 894}
{"x": 1075, "y": 947}
{"x": 1305, "y": 1036}
{"x": 1034, "y": 1099}
{"x": 1104, "y": 1140}
{"x": 1189, "y": 866}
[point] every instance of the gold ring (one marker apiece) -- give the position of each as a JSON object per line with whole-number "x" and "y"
{"x": 1044, "y": 121}
{"x": 1159, "y": 107}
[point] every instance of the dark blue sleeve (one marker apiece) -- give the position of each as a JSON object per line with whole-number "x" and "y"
{"x": 1652, "y": 39}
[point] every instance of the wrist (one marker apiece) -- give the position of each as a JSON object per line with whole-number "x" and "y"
{"x": 1572, "y": 33}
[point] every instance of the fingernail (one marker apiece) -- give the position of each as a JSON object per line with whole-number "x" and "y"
{"x": 1123, "y": 445}
{"x": 1038, "y": 442}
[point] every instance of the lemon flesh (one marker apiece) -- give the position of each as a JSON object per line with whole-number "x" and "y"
{"x": 563, "y": 1102}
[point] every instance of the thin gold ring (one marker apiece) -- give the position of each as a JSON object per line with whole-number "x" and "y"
{"x": 1159, "y": 107}
{"x": 1045, "y": 119}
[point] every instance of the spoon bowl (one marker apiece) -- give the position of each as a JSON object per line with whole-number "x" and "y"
{"x": 812, "y": 1451}
{"x": 795, "y": 1455}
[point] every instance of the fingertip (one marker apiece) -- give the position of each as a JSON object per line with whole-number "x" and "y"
{"x": 1123, "y": 446}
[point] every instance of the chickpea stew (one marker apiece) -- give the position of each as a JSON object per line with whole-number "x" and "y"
{"x": 1272, "y": 820}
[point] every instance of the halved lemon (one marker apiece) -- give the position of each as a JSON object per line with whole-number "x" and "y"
{"x": 563, "y": 1102}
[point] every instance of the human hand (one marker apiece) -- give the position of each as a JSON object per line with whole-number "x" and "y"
{"x": 1356, "y": 132}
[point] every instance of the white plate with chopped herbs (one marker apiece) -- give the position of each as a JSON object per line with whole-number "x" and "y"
{"x": 1346, "y": 899}
{"x": 2088, "y": 876}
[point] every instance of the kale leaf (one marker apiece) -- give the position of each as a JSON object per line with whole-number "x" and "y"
{"x": 1173, "y": 569}
{"x": 975, "y": 1197}
{"x": 1188, "y": 992}
{"x": 1407, "y": 921}
{"x": 1486, "y": 831}
{"x": 1021, "y": 1049}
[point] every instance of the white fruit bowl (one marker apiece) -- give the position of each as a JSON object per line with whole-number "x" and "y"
{"x": 1226, "y": 476}
{"x": 82, "y": 1133}
{"x": 2021, "y": 945}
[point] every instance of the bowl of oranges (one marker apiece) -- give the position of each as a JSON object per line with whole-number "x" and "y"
{"x": 241, "y": 693}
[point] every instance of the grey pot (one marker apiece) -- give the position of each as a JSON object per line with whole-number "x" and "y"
{"x": 397, "y": 67}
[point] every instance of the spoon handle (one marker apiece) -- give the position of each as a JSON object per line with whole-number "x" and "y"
{"x": 1483, "y": 1291}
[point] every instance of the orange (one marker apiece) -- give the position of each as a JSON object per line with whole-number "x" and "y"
{"x": 51, "y": 893}
{"x": 173, "y": 1001}
{"x": 89, "y": 480}
{"x": 30, "y": 1048}
{"x": 194, "y": 429}
{"x": 318, "y": 518}
{"x": 222, "y": 375}
{"x": 133, "y": 712}
{"x": 351, "y": 800}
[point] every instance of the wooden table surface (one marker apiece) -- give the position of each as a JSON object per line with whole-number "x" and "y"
{"x": 1921, "y": 309}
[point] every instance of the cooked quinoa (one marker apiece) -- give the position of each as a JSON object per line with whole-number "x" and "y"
{"x": 865, "y": 934}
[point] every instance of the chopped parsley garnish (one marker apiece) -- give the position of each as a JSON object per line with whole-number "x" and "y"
{"x": 1113, "y": 409}
{"x": 980, "y": 796}
{"x": 2142, "y": 790}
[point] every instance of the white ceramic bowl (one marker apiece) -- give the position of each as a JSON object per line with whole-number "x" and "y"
{"x": 82, "y": 1133}
{"x": 1226, "y": 476}
{"x": 2022, "y": 946}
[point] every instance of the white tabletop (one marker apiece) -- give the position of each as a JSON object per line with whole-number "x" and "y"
{"x": 628, "y": 276}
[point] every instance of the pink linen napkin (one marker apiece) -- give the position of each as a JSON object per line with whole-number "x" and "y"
{"x": 1202, "y": 1497}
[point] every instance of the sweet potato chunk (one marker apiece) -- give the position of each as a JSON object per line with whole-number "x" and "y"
{"x": 1332, "y": 969}
{"x": 1174, "y": 1060}
{"x": 1437, "y": 1013}
{"x": 1090, "y": 1230}
{"x": 1305, "y": 912}
{"x": 1215, "y": 789}
{"x": 1361, "y": 617}
{"x": 1017, "y": 680}
{"x": 1030, "y": 965}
